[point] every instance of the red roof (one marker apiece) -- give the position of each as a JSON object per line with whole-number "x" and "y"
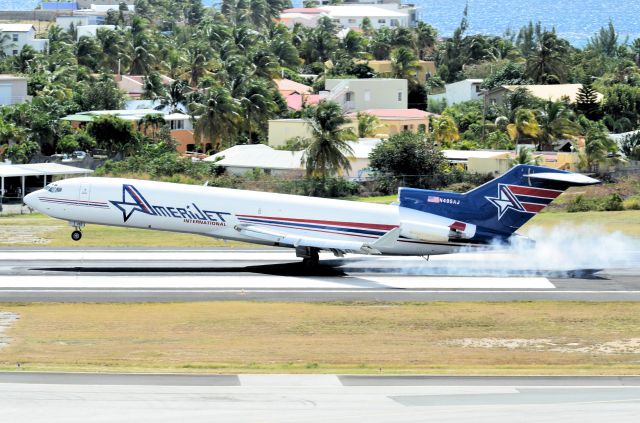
{"x": 396, "y": 113}
{"x": 287, "y": 86}
{"x": 309, "y": 10}
{"x": 294, "y": 101}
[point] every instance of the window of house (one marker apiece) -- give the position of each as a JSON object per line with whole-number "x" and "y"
{"x": 394, "y": 22}
{"x": 477, "y": 88}
{"x": 351, "y": 21}
{"x": 14, "y": 37}
{"x": 381, "y": 21}
{"x": 176, "y": 124}
{"x": 399, "y": 95}
{"x": 405, "y": 127}
{"x": 15, "y": 52}
{"x": 348, "y": 96}
{"x": 367, "y": 95}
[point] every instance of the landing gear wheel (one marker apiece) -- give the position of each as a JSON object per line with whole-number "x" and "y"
{"x": 313, "y": 260}
{"x": 76, "y": 235}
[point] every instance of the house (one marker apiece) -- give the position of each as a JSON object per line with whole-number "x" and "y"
{"x": 180, "y": 125}
{"x": 394, "y": 121}
{"x": 350, "y": 15}
{"x": 65, "y": 22}
{"x": 558, "y": 92}
{"x": 384, "y": 68}
{"x": 361, "y": 94}
{"x": 461, "y": 91}
{"x": 282, "y": 130}
{"x": 296, "y": 95}
{"x": 133, "y": 85}
{"x": 13, "y": 90}
{"x": 242, "y": 159}
{"x": 20, "y": 35}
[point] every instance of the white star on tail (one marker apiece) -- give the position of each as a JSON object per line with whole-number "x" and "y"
{"x": 505, "y": 201}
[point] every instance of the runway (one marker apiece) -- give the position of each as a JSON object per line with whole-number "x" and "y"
{"x": 91, "y": 275}
{"x": 56, "y": 397}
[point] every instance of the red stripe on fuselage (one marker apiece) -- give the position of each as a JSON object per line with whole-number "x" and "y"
{"x": 326, "y": 222}
{"x": 536, "y": 192}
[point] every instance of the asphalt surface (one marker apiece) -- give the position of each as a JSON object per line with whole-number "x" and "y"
{"x": 276, "y": 275}
{"x": 59, "y": 397}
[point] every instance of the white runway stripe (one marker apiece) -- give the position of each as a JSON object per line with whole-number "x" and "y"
{"x": 273, "y": 282}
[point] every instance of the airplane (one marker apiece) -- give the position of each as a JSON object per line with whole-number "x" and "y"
{"x": 422, "y": 223}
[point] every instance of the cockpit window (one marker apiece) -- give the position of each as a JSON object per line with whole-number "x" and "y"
{"x": 53, "y": 188}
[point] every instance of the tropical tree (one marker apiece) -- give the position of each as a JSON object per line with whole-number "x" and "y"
{"x": 425, "y": 39}
{"x": 153, "y": 121}
{"x": 216, "y": 115}
{"x": 445, "y": 130}
{"x": 175, "y": 95}
{"x": 524, "y": 125}
{"x": 587, "y": 101}
{"x": 328, "y": 152}
{"x": 367, "y": 125}
{"x": 114, "y": 135}
{"x": 556, "y": 121}
{"x": 548, "y": 63}
{"x": 404, "y": 64}
{"x": 525, "y": 156}
{"x": 153, "y": 87}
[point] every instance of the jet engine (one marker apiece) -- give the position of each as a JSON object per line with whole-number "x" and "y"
{"x": 439, "y": 229}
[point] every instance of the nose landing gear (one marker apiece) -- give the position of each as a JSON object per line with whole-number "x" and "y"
{"x": 77, "y": 234}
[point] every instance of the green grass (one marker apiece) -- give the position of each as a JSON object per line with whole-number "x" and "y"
{"x": 257, "y": 337}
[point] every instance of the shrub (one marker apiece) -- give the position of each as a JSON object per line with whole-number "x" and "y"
{"x": 612, "y": 203}
{"x": 581, "y": 204}
{"x": 631, "y": 204}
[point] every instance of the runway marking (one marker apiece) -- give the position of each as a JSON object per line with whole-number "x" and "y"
{"x": 273, "y": 282}
{"x": 310, "y": 291}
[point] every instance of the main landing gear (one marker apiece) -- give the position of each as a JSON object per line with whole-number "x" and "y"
{"x": 310, "y": 256}
{"x": 77, "y": 234}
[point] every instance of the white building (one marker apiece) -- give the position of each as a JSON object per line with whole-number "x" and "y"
{"x": 360, "y": 94}
{"x": 242, "y": 159}
{"x": 461, "y": 91}
{"x": 91, "y": 30}
{"x": 65, "y": 22}
{"x": 20, "y": 35}
{"x": 349, "y": 15}
{"x": 13, "y": 90}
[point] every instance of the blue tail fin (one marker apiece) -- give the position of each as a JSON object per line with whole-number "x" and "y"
{"x": 502, "y": 205}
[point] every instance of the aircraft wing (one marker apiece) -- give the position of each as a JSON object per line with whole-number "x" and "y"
{"x": 284, "y": 237}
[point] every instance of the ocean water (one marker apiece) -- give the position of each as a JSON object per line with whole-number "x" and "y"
{"x": 575, "y": 20}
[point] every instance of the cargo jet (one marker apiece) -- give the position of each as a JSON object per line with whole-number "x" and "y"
{"x": 422, "y": 223}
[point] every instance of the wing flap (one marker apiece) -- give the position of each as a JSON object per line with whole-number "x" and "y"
{"x": 294, "y": 240}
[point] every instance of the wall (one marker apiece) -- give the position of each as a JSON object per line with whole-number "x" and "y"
{"x": 384, "y": 68}
{"x": 493, "y": 165}
{"x": 13, "y": 91}
{"x": 383, "y": 93}
{"x": 395, "y": 126}
{"x": 462, "y": 91}
{"x": 281, "y": 130}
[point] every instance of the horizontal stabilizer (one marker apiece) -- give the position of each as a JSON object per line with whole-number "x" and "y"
{"x": 569, "y": 178}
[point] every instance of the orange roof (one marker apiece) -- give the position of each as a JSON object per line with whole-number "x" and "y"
{"x": 287, "y": 86}
{"x": 396, "y": 113}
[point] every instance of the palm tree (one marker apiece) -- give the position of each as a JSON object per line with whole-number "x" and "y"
{"x": 153, "y": 86}
{"x": 257, "y": 104}
{"x": 153, "y": 121}
{"x": 196, "y": 60}
{"x": 328, "y": 151}
{"x": 404, "y": 64}
{"x": 425, "y": 39}
{"x": 367, "y": 125}
{"x": 175, "y": 95}
{"x": 216, "y": 116}
{"x": 548, "y": 63}
{"x": 524, "y": 125}
{"x": 525, "y": 156}
{"x": 445, "y": 130}
{"x": 556, "y": 122}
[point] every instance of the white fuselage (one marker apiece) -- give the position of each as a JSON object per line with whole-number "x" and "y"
{"x": 217, "y": 212}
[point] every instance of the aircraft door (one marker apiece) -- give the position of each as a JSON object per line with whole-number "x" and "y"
{"x": 85, "y": 192}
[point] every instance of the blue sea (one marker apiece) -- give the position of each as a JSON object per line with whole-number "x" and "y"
{"x": 575, "y": 20}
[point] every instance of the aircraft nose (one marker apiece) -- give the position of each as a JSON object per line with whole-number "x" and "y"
{"x": 31, "y": 200}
